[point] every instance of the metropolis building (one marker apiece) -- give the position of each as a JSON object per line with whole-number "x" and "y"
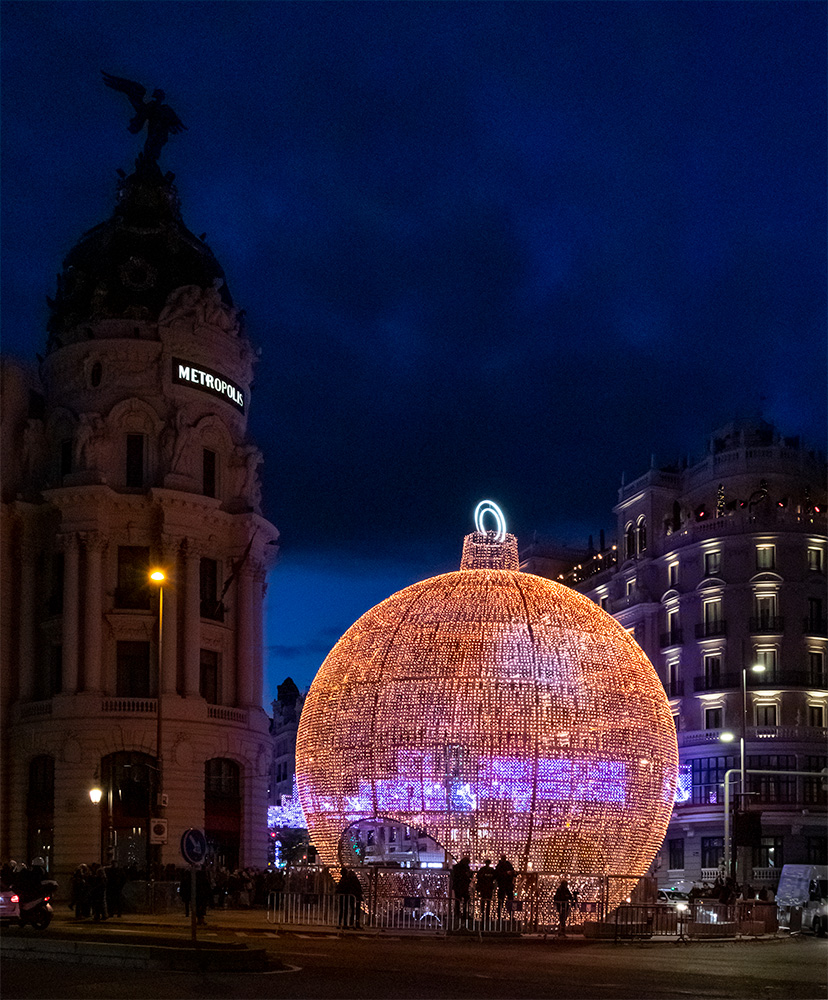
{"x": 720, "y": 569}
{"x": 128, "y": 452}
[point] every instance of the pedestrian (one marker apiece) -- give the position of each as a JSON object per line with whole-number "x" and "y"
{"x": 349, "y": 890}
{"x": 97, "y": 892}
{"x": 563, "y": 904}
{"x": 461, "y": 880}
{"x": 484, "y": 884}
{"x": 80, "y": 892}
{"x": 505, "y": 876}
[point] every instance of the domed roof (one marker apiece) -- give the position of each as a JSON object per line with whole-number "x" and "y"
{"x": 127, "y": 266}
{"x": 499, "y": 712}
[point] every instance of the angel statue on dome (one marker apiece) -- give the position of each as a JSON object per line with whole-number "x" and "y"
{"x": 160, "y": 119}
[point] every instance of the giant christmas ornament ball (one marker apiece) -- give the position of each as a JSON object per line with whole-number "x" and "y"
{"x": 498, "y": 712}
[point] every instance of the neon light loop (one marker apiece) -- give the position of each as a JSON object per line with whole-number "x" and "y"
{"x": 490, "y": 507}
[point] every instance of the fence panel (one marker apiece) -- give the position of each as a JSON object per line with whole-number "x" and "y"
{"x": 314, "y": 909}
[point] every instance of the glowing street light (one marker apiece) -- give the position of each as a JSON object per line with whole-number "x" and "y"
{"x": 158, "y": 576}
{"x": 95, "y": 794}
{"x": 728, "y": 737}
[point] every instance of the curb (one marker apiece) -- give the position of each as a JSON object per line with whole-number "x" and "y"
{"x": 206, "y": 958}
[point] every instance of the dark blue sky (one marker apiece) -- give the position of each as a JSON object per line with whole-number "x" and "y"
{"x": 488, "y": 250}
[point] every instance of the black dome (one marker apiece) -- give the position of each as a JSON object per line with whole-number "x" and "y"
{"x": 126, "y": 267}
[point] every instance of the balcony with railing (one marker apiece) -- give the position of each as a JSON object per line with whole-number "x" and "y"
{"x": 766, "y": 625}
{"x": 711, "y": 629}
{"x": 756, "y": 682}
{"x": 815, "y": 626}
{"x": 673, "y": 637}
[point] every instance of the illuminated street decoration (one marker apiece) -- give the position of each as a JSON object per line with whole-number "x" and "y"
{"x": 490, "y": 507}
{"x": 497, "y": 712}
{"x": 287, "y": 815}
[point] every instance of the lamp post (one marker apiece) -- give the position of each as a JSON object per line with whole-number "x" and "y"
{"x": 158, "y": 576}
{"x": 727, "y": 737}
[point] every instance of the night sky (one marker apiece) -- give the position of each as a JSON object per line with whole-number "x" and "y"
{"x": 488, "y": 250}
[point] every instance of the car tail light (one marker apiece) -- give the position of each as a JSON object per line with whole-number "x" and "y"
{"x": 46, "y": 899}
{"x": 14, "y": 899}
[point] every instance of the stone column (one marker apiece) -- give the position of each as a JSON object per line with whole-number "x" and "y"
{"x": 192, "y": 619}
{"x": 28, "y": 593}
{"x": 95, "y": 545}
{"x": 244, "y": 636}
{"x": 71, "y": 607}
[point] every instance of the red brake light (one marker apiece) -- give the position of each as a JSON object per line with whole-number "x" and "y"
{"x": 15, "y": 899}
{"x": 46, "y": 899}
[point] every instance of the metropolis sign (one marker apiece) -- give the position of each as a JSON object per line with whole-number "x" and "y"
{"x": 207, "y": 380}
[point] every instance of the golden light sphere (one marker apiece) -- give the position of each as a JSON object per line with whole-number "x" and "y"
{"x": 497, "y": 712}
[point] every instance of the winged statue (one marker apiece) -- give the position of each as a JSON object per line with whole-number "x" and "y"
{"x": 160, "y": 119}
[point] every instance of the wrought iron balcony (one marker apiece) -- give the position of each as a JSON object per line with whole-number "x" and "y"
{"x": 671, "y": 638}
{"x": 766, "y": 624}
{"x": 717, "y": 682}
{"x": 708, "y": 630}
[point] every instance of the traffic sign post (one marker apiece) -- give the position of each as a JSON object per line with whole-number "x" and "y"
{"x": 194, "y": 851}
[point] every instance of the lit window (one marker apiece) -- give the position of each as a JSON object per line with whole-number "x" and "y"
{"x": 712, "y": 563}
{"x": 766, "y": 715}
{"x": 712, "y": 671}
{"x": 642, "y": 535}
{"x": 713, "y": 718}
{"x": 765, "y": 556}
{"x": 676, "y": 848}
{"x": 769, "y": 658}
{"x": 672, "y": 574}
{"x": 629, "y": 541}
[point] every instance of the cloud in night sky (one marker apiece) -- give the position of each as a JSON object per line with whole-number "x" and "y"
{"x": 488, "y": 250}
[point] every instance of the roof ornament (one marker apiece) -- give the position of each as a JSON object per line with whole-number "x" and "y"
{"x": 160, "y": 119}
{"x": 490, "y": 507}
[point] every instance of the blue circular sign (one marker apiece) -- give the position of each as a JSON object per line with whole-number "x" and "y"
{"x": 193, "y": 846}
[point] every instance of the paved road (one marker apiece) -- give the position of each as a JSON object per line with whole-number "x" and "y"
{"x": 356, "y": 967}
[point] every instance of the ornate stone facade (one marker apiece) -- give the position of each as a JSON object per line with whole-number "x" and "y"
{"x": 129, "y": 450}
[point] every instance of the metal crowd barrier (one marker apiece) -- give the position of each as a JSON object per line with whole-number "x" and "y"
{"x": 314, "y": 909}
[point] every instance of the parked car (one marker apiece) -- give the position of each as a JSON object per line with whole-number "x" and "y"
{"x": 679, "y": 900}
{"x": 9, "y": 907}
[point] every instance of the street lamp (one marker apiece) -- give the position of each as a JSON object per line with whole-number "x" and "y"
{"x": 728, "y": 737}
{"x": 158, "y": 576}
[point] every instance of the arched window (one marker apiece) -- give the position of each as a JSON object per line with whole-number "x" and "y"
{"x": 629, "y": 541}
{"x": 40, "y": 808}
{"x": 129, "y": 783}
{"x": 642, "y": 534}
{"x": 222, "y": 810}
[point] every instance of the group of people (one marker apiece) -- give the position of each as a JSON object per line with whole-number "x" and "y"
{"x": 729, "y": 891}
{"x": 502, "y": 877}
{"x": 98, "y": 892}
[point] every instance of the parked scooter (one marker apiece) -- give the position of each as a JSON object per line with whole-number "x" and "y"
{"x": 34, "y": 893}
{"x": 38, "y": 912}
